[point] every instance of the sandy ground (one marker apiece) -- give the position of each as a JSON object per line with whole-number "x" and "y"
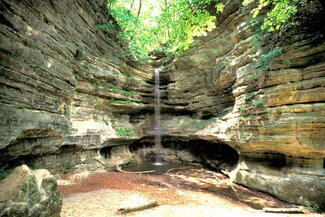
{"x": 188, "y": 193}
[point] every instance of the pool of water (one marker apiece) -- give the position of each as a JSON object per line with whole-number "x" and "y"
{"x": 157, "y": 167}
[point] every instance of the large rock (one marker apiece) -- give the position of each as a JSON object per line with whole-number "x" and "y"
{"x": 64, "y": 82}
{"x": 293, "y": 184}
{"x": 279, "y": 111}
{"x": 30, "y": 193}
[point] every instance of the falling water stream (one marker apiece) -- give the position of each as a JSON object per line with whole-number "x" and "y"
{"x": 157, "y": 127}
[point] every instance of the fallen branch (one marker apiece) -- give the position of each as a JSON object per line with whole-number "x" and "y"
{"x": 101, "y": 162}
{"x": 138, "y": 208}
{"x": 179, "y": 168}
{"x": 119, "y": 169}
{"x": 284, "y": 210}
{"x": 214, "y": 175}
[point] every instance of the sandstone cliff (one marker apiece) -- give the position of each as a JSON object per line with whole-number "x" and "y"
{"x": 273, "y": 117}
{"x": 68, "y": 92}
{"x": 65, "y": 85}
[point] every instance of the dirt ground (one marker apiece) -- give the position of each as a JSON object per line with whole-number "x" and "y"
{"x": 178, "y": 193}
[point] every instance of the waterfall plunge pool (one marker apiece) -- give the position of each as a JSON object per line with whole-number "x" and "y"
{"x": 158, "y": 167}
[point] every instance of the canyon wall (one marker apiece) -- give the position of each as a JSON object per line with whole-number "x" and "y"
{"x": 70, "y": 98}
{"x": 67, "y": 88}
{"x": 267, "y": 104}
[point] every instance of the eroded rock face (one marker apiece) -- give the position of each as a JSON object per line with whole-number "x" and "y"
{"x": 67, "y": 92}
{"x": 65, "y": 88}
{"x": 30, "y": 193}
{"x": 302, "y": 185}
{"x": 262, "y": 114}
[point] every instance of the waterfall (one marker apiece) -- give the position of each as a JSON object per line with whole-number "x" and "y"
{"x": 157, "y": 127}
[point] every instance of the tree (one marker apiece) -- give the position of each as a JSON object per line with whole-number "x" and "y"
{"x": 171, "y": 31}
{"x": 139, "y": 10}
{"x": 281, "y": 11}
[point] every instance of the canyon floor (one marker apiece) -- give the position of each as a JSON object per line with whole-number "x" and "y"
{"x": 189, "y": 192}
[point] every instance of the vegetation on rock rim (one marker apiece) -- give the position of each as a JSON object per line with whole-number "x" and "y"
{"x": 171, "y": 26}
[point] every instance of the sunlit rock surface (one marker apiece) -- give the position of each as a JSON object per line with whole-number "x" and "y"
{"x": 30, "y": 193}
{"x": 279, "y": 112}
{"x": 69, "y": 99}
{"x": 66, "y": 89}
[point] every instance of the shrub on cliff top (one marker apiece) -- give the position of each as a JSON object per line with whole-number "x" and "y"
{"x": 172, "y": 25}
{"x": 150, "y": 25}
{"x": 279, "y": 11}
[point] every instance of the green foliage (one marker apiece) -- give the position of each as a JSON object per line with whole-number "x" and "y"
{"x": 67, "y": 111}
{"x": 124, "y": 101}
{"x": 109, "y": 26}
{"x": 114, "y": 88}
{"x": 141, "y": 40}
{"x": 256, "y": 102}
{"x": 250, "y": 95}
{"x": 244, "y": 118}
{"x": 242, "y": 109}
{"x": 4, "y": 172}
{"x": 170, "y": 26}
{"x": 281, "y": 11}
{"x": 39, "y": 70}
{"x": 313, "y": 208}
{"x": 182, "y": 20}
{"x": 98, "y": 84}
{"x": 271, "y": 55}
{"x": 32, "y": 165}
{"x": 265, "y": 59}
{"x": 203, "y": 123}
{"x": 122, "y": 131}
{"x": 106, "y": 122}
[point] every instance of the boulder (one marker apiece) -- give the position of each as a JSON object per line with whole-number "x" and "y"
{"x": 30, "y": 193}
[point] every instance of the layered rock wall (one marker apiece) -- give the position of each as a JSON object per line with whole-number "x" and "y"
{"x": 65, "y": 86}
{"x": 68, "y": 95}
{"x": 270, "y": 109}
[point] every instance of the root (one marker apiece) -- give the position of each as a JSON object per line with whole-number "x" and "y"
{"x": 176, "y": 168}
{"x": 119, "y": 169}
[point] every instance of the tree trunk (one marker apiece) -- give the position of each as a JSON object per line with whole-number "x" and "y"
{"x": 132, "y": 5}
{"x": 139, "y": 10}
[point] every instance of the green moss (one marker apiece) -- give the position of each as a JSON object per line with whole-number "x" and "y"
{"x": 120, "y": 130}
{"x": 122, "y": 91}
{"x": 242, "y": 109}
{"x": 250, "y": 95}
{"x": 123, "y": 131}
{"x": 106, "y": 122}
{"x": 272, "y": 54}
{"x": 39, "y": 70}
{"x": 244, "y": 118}
{"x": 4, "y": 172}
{"x": 98, "y": 84}
{"x": 203, "y": 123}
{"x": 124, "y": 101}
{"x": 67, "y": 111}
{"x": 256, "y": 102}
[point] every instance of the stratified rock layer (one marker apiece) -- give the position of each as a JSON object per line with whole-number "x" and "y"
{"x": 272, "y": 112}
{"x": 30, "y": 193}
{"x": 65, "y": 88}
{"x": 69, "y": 98}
